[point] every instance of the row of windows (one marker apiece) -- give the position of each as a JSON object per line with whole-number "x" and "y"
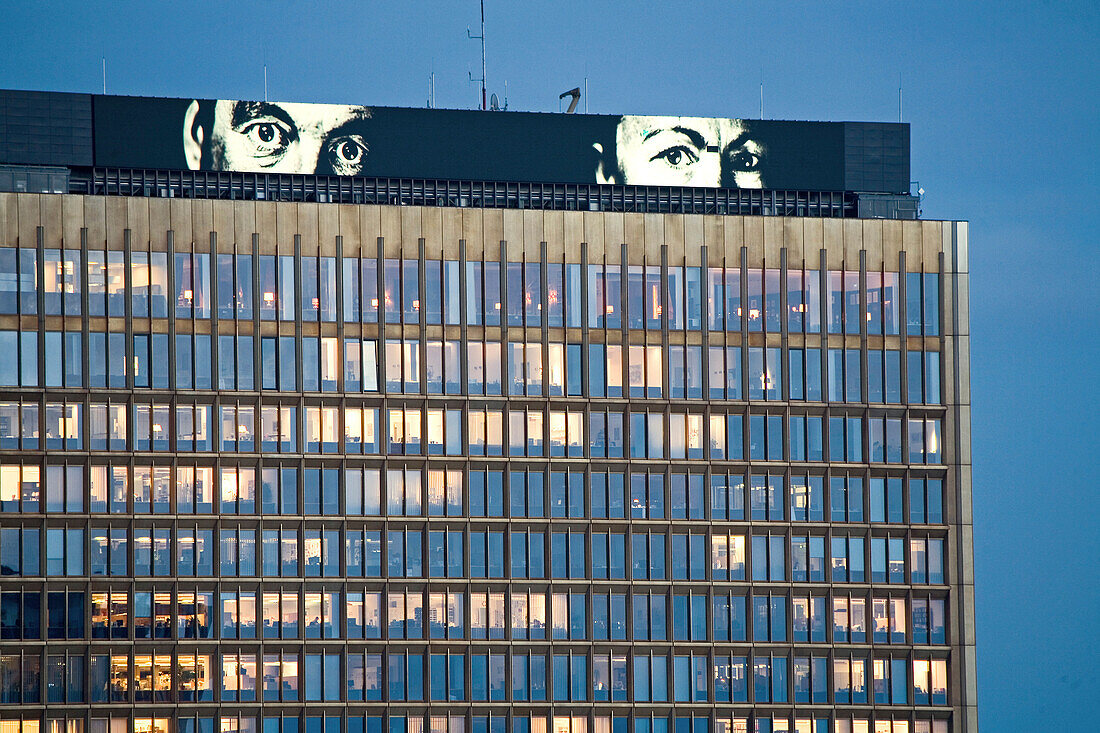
{"x": 437, "y": 492}
{"x": 122, "y": 551}
{"x": 516, "y": 615}
{"x": 535, "y": 433}
{"x": 473, "y": 368}
{"x": 290, "y": 675}
{"x": 159, "y": 678}
{"x": 286, "y": 287}
{"x": 398, "y": 722}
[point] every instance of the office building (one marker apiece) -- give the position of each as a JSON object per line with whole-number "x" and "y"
{"x": 298, "y": 435}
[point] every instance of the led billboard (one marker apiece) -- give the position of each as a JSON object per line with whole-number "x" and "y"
{"x": 357, "y": 140}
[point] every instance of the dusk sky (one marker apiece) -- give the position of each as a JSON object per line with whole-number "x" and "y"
{"x": 1002, "y": 99}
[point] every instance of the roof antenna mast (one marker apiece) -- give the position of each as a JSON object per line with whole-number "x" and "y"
{"x": 484, "y": 104}
{"x": 899, "y": 96}
{"x": 761, "y": 92}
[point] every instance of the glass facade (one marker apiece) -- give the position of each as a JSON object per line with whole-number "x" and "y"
{"x": 408, "y": 488}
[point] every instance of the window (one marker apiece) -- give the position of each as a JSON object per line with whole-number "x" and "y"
{"x": 20, "y": 488}
{"x": 808, "y": 621}
{"x": 64, "y": 551}
{"x": 727, "y": 557}
{"x": 807, "y": 498}
{"x": 847, "y": 559}
{"x": 768, "y": 557}
{"x": 727, "y": 496}
{"x": 648, "y": 556}
{"x": 805, "y": 374}
{"x": 808, "y": 558}
{"x": 886, "y": 500}
{"x": 922, "y": 303}
{"x": 850, "y": 619}
{"x": 846, "y": 498}
{"x": 238, "y": 677}
{"x": 803, "y": 301}
{"x": 766, "y": 498}
{"x": 766, "y": 437}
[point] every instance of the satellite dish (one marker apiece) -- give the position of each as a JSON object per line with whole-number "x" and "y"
{"x": 494, "y": 104}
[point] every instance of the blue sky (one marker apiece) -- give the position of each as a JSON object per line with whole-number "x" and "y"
{"x": 1003, "y": 102}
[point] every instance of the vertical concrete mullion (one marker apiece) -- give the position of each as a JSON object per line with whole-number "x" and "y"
{"x": 215, "y": 346}
{"x": 341, "y": 360}
{"x": 584, "y": 363}
{"x": 128, "y": 345}
{"x": 742, "y": 328}
{"x": 339, "y": 295}
{"x": 664, "y": 293}
{"x": 421, "y": 314}
{"x": 299, "y": 383}
{"x": 171, "y": 238}
{"x": 40, "y": 375}
{"x": 379, "y": 272}
{"x": 257, "y": 339}
{"x": 823, "y": 309}
{"x": 464, "y": 366}
{"x": 505, "y": 354}
{"x": 864, "y": 389}
{"x": 903, "y": 361}
{"x": 544, "y": 312}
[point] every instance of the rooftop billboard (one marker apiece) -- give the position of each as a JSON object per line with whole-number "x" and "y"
{"x": 358, "y": 140}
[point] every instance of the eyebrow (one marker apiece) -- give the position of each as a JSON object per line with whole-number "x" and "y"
{"x": 358, "y": 114}
{"x": 695, "y": 136}
{"x": 246, "y": 111}
{"x": 739, "y": 141}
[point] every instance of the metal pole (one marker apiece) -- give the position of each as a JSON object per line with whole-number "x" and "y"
{"x": 899, "y": 97}
{"x": 484, "y": 106}
{"x": 104, "y": 74}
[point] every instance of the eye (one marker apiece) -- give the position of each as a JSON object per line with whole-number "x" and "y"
{"x": 349, "y": 151}
{"x": 744, "y": 160}
{"x": 677, "y": 156}
{"x": 266, "y": 137}
{"x": 347, "y": 154}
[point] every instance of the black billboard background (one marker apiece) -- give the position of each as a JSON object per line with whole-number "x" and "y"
{"x": 141, "y": 132}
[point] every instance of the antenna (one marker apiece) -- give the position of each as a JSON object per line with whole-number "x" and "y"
{"x": 586, "y": 95}
{"x": 899, "y": 96}
{"x": 761, "y": 92}
{"x": 431, "y": 90}
{"x": 265, "y": 82}
{"x": 104, "y": 59}
{"x": 482, "y": 39}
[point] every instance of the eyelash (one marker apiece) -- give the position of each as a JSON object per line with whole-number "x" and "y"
{"x": 267, "y": 148}
{"x": 680, "y": 149}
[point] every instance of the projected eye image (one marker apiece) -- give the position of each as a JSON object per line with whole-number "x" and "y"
{"x": 229, "y": 135}
{"x": 682, "y": 151}
{"x": 472, "y": 145}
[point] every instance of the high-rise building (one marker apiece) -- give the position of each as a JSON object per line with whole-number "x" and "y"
{"x": 337, "y": 419}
